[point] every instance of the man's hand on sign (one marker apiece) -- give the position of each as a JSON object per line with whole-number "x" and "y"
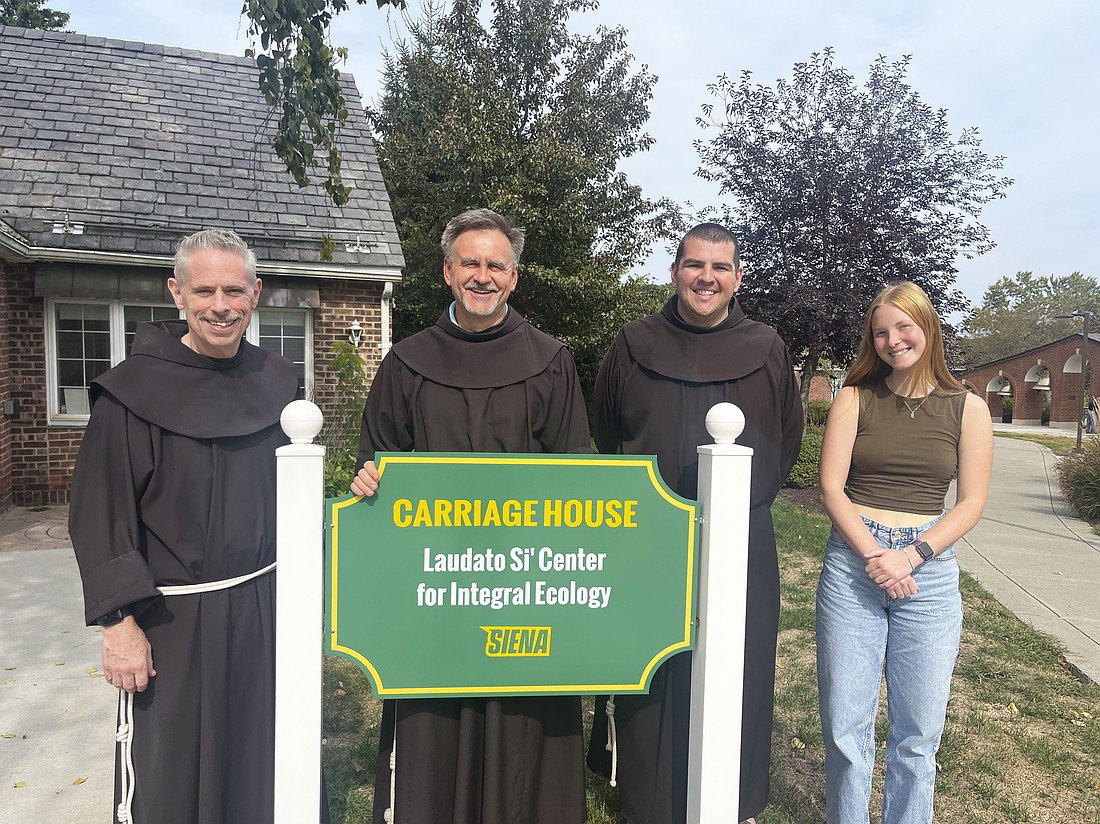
{"x": 365, "y": 482}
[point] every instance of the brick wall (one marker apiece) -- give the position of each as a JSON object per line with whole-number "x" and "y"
{"x": 42, "y": 457}
{"x": 36, "y": 461}
{"x": 1065, "y": 393}
{"x": 6, "y": 273}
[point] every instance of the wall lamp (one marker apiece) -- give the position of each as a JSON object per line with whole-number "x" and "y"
{"x": 355, "y": 334}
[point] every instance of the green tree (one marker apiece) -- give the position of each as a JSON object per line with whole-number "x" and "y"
{"x": 1018, "y": 313}
{"x": 838, "y": 190}
{"x": 527, "y": 118}
{"x": 30, "y": 15}
{"x": 299, "y": 78}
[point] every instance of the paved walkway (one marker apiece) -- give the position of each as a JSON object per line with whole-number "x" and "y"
{"x": 1034, "y": 555}
{"x": 55, "y": 709}
{"x": 1029, "y": 551}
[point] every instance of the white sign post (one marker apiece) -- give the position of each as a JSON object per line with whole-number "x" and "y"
{"x": 718, "y": 663}
{"x": 299, "y": 616}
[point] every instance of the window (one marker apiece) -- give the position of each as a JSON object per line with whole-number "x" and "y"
{"x": 86, "y": 338}
{"x": 285, "y": 332}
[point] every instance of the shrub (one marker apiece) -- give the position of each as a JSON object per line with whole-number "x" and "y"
{"x": 817, "y": 412}
{"x": 341, "y": 432}
{"x": 1079, "y": 477}
{"x": 806, "y": 468}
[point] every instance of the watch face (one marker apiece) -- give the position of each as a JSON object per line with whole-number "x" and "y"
{"x": 925, "y": 550}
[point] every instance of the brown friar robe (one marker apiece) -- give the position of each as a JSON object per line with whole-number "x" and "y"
{"x": 175, "y": 484}
{"x": 475, "y": 760}
{"x": 653, "y": 391}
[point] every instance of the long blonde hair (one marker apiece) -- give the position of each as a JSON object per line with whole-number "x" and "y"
{"x": 932, "y": 367}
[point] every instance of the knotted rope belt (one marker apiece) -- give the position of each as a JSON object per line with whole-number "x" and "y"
{"x": 125, "y": 732}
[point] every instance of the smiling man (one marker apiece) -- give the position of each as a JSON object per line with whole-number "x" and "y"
{"x": 482, "y": 379}
{"x": 657, "y": 382}
{"x": 174, "y": 487}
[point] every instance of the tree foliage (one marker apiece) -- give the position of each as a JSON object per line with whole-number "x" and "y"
{"x": 527, "y": 118}
{"x": 300, "y": 79}
{"x": 30, "y": 14}
{"x": 1019, "y": 313}
{"x": 838, "y": 190}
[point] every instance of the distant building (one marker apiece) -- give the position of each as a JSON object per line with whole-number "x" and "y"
{"x": 1052, "y": 371}
{"x": 110, "y": 152}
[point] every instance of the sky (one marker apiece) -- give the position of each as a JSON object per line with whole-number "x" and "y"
{"x": 1024, "y": 73}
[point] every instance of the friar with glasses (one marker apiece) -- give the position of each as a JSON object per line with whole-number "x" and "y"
{"x": 482, "y": 379}
{"x": 654, "y": 388}
{"x": 173, "y": 523}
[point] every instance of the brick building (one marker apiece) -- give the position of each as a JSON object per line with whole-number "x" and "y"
{"x": 1029, "y": 378}
{"x": 110, "y": 152}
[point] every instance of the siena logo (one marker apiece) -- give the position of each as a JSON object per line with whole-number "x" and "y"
{"x": 517, "y": 642}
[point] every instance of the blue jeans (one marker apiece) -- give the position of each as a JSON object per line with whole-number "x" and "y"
{"x": 859, "y": 626}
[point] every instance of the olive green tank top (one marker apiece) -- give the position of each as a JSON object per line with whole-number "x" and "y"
{"x": 905, "y": 456}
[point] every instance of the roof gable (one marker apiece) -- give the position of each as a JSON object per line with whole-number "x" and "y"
{"x": 143, "y": 144}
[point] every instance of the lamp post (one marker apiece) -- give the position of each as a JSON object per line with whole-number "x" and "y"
{"x": 1086, "y": 317}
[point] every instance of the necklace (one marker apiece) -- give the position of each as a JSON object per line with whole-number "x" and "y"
{"x": 912, "y": 409}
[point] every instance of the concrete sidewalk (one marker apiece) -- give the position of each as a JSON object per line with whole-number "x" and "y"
{"x": 56, "y": 753}
{"x": 1034, "y": 555}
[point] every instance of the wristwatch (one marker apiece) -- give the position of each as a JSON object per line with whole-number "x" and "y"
{"x": 924, "y": 551}
{"x": 113, "y": 617}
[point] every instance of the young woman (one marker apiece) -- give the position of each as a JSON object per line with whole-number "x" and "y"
{"x": 898, "y": 432}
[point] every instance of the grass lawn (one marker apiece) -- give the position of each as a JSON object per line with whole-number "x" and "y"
{"x": 1022, "y": 742}
{"x": 1058, "y": 444}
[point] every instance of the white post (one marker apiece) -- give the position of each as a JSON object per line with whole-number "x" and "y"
{"x": 299, "y": 616}
{"x": 718, "y": 663}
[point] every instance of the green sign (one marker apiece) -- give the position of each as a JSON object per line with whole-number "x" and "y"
{"x": 477, "y": 574}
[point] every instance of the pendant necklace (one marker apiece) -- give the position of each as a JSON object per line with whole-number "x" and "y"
{"x": 913, "y": 409}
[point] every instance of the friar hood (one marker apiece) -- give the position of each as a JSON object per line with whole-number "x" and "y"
{"x": 171, "y": 386}
{"x": 510, "y": 352}
{"x": 663, "y": 343}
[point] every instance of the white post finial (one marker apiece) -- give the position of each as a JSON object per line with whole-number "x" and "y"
{"x": 301, "y": 421}
{"x": 725, "y": 422}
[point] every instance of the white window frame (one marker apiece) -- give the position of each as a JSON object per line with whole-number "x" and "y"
{"x": 117, "y": 333}
{"x": 252, "y": 335}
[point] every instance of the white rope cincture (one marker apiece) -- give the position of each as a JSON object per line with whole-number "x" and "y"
{"x": 612, "y": 744}
{"x": 125, "y": 733}
{"x": 389, "y": 814}
{"x": 214, "y": 586}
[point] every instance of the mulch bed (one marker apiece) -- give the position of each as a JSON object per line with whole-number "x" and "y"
{"x": 808, "y": 498}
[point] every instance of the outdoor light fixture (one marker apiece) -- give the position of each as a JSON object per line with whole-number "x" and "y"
{"x": 355, "y": 334}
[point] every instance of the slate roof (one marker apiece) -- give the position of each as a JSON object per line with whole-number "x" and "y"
{"x": 144, "y": 143}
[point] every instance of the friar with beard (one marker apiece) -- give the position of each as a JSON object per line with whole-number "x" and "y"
{"x": 175, "y": 486}
{"x": 654, "y": 388}
{"x": 481, "y": 379}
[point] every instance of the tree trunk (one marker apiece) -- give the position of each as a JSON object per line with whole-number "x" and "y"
{"x": 809, "y": 369}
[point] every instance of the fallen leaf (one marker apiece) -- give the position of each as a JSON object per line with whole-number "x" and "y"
{"x": 355, "y": 765}
{"x": 882, "y": 746}
{"x": 8, "y": 735}
{"x": 59, "y": 663}
{"x": 91, "y": 670}
{"x": 1087, "y": 715}
{"x": 10, "y": 681}
{"x": 1013, "y": 710}
{"x": 96, "y": 674}
{"x": 797, "y": 743}
{"x": 79, "y": 781}
{"x": 9, "y": 669}
{"x": 1077, "y": 723}
{"x": 780, "y": 665}
{"x": 1074, "y": 714}
{"x": 19, "y": 785}
{"x": 340, "y": 694}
